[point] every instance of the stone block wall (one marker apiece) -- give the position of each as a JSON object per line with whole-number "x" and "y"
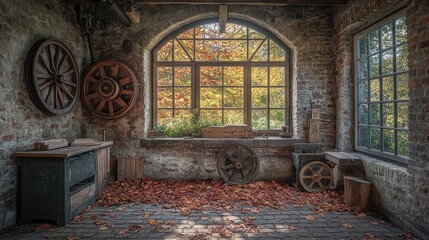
{"x": 401, "y": 193}
{"x": 306, "y": 30}
{"x": 22, "y": 23}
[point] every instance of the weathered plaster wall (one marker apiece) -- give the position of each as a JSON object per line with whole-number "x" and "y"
{"x": 307, "y": 31}
{"x": 400, "y": 192}
{"x": 22, "y": 23}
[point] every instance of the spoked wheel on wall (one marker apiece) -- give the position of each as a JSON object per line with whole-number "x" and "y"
{"x": 238, "y": 164}
{"x": 110, "y": 89}
{"x": 316, "y": 176}
{"x": 52, "y": 77}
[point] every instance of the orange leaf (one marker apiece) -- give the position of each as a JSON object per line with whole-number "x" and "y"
{"x": 347, "y": 225}
{"x": 310, "y": 218}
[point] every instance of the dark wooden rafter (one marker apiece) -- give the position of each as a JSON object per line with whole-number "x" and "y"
{"x": 229, "y": 2}
{"x": 223, "y": 17}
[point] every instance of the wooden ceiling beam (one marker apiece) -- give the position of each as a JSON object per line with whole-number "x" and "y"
{"x": 228, "y": 2}
{"x": 223, "y": 17}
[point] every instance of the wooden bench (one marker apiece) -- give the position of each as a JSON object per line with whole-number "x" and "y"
{"x": 347, "y": 164}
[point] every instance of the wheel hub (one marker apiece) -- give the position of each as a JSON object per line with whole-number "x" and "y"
{"x": 316, "y": 177}
{"x": 238, "y": 165}
{"x": 108, "y": 88}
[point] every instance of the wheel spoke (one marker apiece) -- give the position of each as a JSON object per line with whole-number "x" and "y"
{"x": 121, "y": 102}
{"x": 115, "y": 71}
{"x": 60, "y": 64}
{"x": 92, "y": 80}
{"x": 70, "y": 71}
{"x": 325, "y": 177}
{"x": 66, "y": 92}
{"x": 102, "y": 72}
{"x": 55, "y": 97}
{"x": 320, "y": 185}
{"x": 56, "y": 57}
{"x": 49, "y": 94}
{"x": 45, "y": 65}
{"x": 307, "y": 177}
{"x": 230, "y": 157}
{"x": 125, "y": 80}
{"x": 242, "y": 174}
{"x": 70, "y": 84}
{"x": 239, "y": 152}
{"x": 45, "y": 84}
{"x": 50, "y": 57}
{"x": 311, "y": 184}
{"x": 126, "y": 92}
{"x": 60, "y": 98}
{"x": 232, "y": 174}
{"x": 111, "y": 107}
{"x": 92, "y": 95}
{"x": 101, "y": 105}
{"x": 227, "y": 167}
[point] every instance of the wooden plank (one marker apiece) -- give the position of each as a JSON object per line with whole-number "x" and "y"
{"x": 80, "y": 197}
{"x": 228, "y": 131}
{"x": 357, "y": 193}
{"x": 314, "y": 131}
{"x": 126, "y": 168}
{"x": 103, "y": 160}
{"x": 138, "y": 168}
{"x": 85, "y": 142}
{"x": 61, "y": 152}
{"x": 223, "y": 17}
{"x": 50, "y": 144}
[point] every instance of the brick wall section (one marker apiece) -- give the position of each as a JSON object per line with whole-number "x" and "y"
{"x": 308, "y": 31}
{"x": 22, "y": 23}
{"x": 401, "y": 193}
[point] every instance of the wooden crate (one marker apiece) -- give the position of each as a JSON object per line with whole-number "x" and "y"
{"x": 130, "y": 168}
{"x": 228, "y": 131}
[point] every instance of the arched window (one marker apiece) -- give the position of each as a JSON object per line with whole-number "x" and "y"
{"x": 237, "y": 77}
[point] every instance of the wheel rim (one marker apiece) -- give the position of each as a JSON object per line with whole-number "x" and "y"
{"x": 52, "y": 77}
{"x": 238, "y": 164}
{"x": 110, "y": 89}
{"x": 316, "y": 176}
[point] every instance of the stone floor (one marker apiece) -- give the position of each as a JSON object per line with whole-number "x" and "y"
{"x": 155, "y": 222}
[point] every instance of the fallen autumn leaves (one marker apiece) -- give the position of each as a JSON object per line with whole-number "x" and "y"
{"x": 212, "y": 194}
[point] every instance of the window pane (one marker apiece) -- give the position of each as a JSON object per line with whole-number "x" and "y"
{"x": 182, "y": 114}
{"x": 387, "y": 62}
{"x": 363, "y": 68}
{"x": 402, "y": 58}
{"x": 211, "y": 115}
{"x": 259, "y": 97}
{"x": 277, "y": 76}
{"x": 182, "y": 76}
{"x": 276, "y": 52}
{"x": 182, "y": 97}
{"x": 188, "y": 45}
{"x": 373, "y": 66}
{"x": 363, "y": 46}
{"x": 363, "y": 136}
{"x": 221, "y": 50}
{"x": 187, "y": 34}
{"x": 388, "y": 115}
{"x": 375, "y": 89}
{"x": 253, "y": 46}
{"x": 165, "y": 97}
{"x": 253, "y": 34}
{"x": 363, "y": 91}
{"x": 389, "y": 140}
{"x": 165, "y": 53}
{"x": 233, "y": 76}
{"x": 363, "y": 113}
{"x": 373, "y": 42}
{"x": 277, "y": 97}
{"x": 402, "y": 86}
{"x": 375, "y": 114}
{"x": 233, "y": 117}
{"x": 259, "y": 76}
{"x": 262, "y": 53}
{"x": 179, "y": 52}
{"x": 211, "y": 30}
{"x": 401, "y": 30}
{"x": 387, "y": 36}
{"x": 211, "y": 97}
{"x": 403, "y": 148}
{"x": 259, "y": 119}
{"x": 388, "y": 90}
{"x": 234, "y": 97}
{"x": 165, "y": 76}
{"x": 277, "y": 118}
{"x": 164, "y": 116}
{"x": 375, "y": 138}
{"x": 403, "y": 115}
{"x": 211, "y": 76}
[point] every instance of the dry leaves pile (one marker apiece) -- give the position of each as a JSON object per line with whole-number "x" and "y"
{"x": 212, "y": 194}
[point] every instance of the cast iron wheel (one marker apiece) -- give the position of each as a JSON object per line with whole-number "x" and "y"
{"x": 316, "y": 176}
{"x": 237, "y": 164}
{"x": 110, "y": 89}
{"x": 52, "y": 77}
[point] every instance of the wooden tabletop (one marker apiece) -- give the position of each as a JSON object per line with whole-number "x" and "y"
{"x": 62, "y": 152}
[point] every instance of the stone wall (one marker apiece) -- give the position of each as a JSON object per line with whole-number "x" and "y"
{"x": 401, "y": 193}
{"x": 22, "y": 23}
{"x": 306, "y": 30}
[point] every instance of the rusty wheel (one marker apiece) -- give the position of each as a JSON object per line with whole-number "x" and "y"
{"x": 316, "y": 176}
{"x": 52, "y": 77}
{"x": 110, "y": 89}
{"x": 237, "y": 164}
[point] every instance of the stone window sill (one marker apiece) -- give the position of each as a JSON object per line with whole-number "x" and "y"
{"x": 382, "y": 163}
{"x": 275, "y": 142}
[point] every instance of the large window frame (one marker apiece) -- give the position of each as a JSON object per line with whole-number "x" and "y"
{"x": 378, "y": 82}
{"x": 247, "y": 65}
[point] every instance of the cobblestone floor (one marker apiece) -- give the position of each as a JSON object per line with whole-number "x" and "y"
{"x": 154, "y": 222}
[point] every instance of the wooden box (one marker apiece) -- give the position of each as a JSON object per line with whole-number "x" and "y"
{"x": 228, "y": 131}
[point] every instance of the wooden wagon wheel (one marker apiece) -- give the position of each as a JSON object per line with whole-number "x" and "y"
{"x": 52, "y": 77}
{"x": 110, "y": 89}
{"x": 237, "y": 164}
{"x": 316, "y": 176}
